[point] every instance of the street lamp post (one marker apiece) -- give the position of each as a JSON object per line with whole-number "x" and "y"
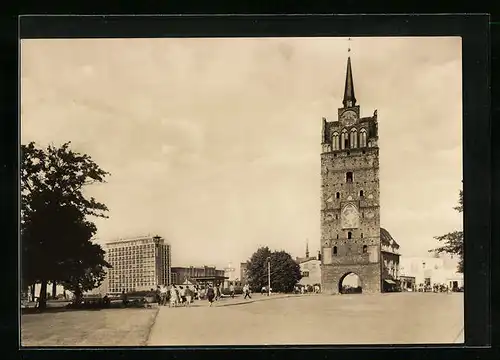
{"x": 269, "y": 276}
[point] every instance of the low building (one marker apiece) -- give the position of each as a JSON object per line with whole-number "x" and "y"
{"x": 389, "y": 252}
{"x": 310, "y": 270}
{"x": 408, "y": 283}
{"x": 191, "y": 273}
{"x": 430, "y": 271}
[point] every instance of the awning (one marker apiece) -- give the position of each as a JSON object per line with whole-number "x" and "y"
{"x": 389, "y": 281}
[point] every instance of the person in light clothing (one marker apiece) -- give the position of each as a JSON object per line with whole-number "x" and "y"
{"x": 173, "y": 296}
{"x": 163, "y": 295}
{"x": 189, "y": 296}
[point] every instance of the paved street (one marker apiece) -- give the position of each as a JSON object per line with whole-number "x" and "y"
{"x": 396, "y": 318}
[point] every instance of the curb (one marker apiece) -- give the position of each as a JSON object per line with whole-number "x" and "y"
{"x": 148, "y": 338}
{"x": 259, "y": 299}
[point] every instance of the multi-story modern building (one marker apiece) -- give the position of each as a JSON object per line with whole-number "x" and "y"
{"x": 139, "y": 263}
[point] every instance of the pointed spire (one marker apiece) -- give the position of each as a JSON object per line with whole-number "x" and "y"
{"x": 307, "y": 248}
{"x": 349, "y": 98}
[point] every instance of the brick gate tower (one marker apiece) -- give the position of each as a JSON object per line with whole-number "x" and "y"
{"x": 350, "y": 210}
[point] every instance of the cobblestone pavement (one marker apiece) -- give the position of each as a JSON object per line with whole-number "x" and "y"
{"x": 398, "y": 318}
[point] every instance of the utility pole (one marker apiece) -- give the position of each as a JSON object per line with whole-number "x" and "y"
{"x": 269, "y": 276}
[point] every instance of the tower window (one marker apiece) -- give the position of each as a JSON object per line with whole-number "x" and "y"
{"x": 335, "y": 141}
{"x": 361, "y": 193}
{"x": 344, "y": 140}
{"x": 336, "y": 217}
{"x": 334, "y": 250}
{"x": 337, "y": 195}
{"x": 361, "y": 235}
{"x": 365, "y": 249}
{"x": 348, "y": 177}
{"x": 354, "y": 138}
{"x": 337, "y": 236}
{"x": 362, "y": 138}
{"x": 349, "y": 235}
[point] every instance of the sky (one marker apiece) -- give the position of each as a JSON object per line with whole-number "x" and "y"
{"x": 214, "y": 144}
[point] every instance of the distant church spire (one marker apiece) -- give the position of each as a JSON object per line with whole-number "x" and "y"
{"x": 349, "y": 98}
{"x": 307, "y": 248}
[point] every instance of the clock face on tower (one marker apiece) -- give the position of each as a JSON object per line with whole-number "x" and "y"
{"x": 348, "y": 117}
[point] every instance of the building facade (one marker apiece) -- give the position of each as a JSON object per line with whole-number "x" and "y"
{"x": 139, "y": 263}
{"x": 389, "y": 251}
{"x": 430, "y": 271}
{"x": 350, "y": 210}
{"x": 182, "y": 274}
{"x": 311, "y": 272}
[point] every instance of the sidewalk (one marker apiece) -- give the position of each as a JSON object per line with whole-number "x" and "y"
{"x": 239, "y": 300}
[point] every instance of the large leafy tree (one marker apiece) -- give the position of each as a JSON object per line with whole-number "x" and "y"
{"x": 285, "y": 272}
{"x": 257, "y": 268}
{"x": 54, "y": 210}
{"x": 453, "y": 242}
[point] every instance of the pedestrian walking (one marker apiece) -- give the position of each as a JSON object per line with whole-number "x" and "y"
{"x": 231, "y": 290}
{"x": 246, "y": 290}
{"x": 124, "y": 298}
{"x": 158, "y": 295}
{"x": 182, "y": 293}
{"x": 163, "y": 295}
{"x": 210, "y": 294}
{"x": 189, "y": 296}
{"x": 173, "y": 296}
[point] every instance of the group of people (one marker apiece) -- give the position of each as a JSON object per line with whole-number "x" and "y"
{"x": 307, "y": 289}
{"x": 434, "y": 288}
{"x": 184, "y": 295}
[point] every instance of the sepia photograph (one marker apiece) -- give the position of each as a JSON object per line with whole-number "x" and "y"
{"x": 241, "y": 191}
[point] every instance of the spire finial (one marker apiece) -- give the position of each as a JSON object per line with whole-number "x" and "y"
{"x": 307, "y": 248}
{"x": 349, "y": 98}
{"x": 349, "y": 45}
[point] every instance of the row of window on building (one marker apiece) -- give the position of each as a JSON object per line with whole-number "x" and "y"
{"x": 348, "y": 140}
{"x": 364, "y": 250}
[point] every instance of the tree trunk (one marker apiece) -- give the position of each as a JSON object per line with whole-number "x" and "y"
{"x": 33, "y": 291}
{"x": 78, "y": 296}
{"x": 42, "y": 300}
{"x": 54, "y": 289}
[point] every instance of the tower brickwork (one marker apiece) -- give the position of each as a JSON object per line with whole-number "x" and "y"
{"x": 350, "y": 211}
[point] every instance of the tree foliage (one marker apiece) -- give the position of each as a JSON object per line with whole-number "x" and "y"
{"x": 453, "y": 242}
{"x": 86, "y": 273}
{"x": 285, "y": 272}
{"x": 55, "y": 231}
